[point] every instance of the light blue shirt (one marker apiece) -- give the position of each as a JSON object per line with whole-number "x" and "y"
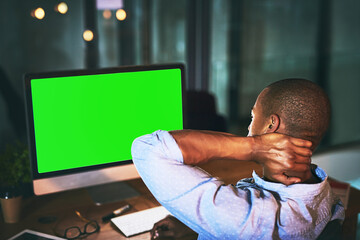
{"x": 253, "y": 209}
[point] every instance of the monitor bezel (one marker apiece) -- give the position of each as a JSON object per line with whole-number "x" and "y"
{"x": 83, "y": 72}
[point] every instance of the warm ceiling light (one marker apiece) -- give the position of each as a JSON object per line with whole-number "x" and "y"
{"x": 88, "y": 35}
{"x": 38, "y": 13}
{"x": 107, "y": 14}
{"x": 62, "y": 8}
{"x": 121, "y": 14}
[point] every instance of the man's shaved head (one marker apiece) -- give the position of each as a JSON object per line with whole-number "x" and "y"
{"x": 302, "y": 105}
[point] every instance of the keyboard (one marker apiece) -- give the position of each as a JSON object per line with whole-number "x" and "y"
{"x": 141, "y": 221}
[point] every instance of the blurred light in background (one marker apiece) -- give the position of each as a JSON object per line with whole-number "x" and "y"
{"x": 88, "y": 35}
{"x": 62, "y": 8}
{"x": 38, "y": 13}
{"x": 121, "y": 14}
{"x": 107, "y": 14}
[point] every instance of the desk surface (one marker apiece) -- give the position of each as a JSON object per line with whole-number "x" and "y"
{"x": 63, "y": 205}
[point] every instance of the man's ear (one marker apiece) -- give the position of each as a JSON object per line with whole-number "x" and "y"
{"x": 274, "y": 123}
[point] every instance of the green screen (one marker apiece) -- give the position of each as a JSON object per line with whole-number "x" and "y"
{"x": 82, "y": 121}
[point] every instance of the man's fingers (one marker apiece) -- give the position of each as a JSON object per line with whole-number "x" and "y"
{"x": 301, "y": 142}
{"x": 303, "y": 160}
{"x": 300, "y": 167}
{"x": 287, "y": 180}
{"x": 302, "y": 151}
{"x": 292, "y": 180}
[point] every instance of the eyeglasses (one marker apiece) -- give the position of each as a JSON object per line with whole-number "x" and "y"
{"x": 75, "y": 232}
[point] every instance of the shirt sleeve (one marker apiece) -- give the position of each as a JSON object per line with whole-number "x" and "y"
{"x": 202, "y": 202}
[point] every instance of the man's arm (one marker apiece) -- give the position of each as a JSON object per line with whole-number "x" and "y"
{"x": 280, "y": 155}
{"x": 199, "y": 200}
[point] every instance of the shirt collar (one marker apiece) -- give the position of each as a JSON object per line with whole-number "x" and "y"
{"x": 294, "y": 190}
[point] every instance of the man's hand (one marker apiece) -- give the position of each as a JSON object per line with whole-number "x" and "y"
{"x": 285, "y": 159}
{"x": 170, "y": 227}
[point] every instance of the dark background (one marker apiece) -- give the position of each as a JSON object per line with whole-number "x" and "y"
{"x": 231, "y": 48}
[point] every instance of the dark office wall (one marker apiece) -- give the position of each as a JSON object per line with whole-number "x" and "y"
{"x": 31, "y": 45}
{"x": 344, "y": 72}
{"x": 252, "y": 43}
{"x": 271, "y": 40}
{"x": 278, "y": 41}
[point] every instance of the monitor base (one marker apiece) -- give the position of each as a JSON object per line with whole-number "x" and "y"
{"x": 111, "y": 192}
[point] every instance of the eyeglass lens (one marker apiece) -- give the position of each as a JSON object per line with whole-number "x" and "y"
{"x": 72, "y": 232}
{"x": 91, "y": 227}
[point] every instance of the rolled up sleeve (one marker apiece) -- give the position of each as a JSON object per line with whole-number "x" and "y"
{"x": 202, "y": 202}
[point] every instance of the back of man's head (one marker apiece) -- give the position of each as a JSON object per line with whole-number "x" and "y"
{"x": 302, "y": 105}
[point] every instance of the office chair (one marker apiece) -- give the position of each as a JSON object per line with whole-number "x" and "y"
{"x": 201, "y": 112}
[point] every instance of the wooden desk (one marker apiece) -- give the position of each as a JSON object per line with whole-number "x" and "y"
{"x": 62, "y": 206}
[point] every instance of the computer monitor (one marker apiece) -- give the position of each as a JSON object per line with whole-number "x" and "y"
{"x": 81, "y": 123}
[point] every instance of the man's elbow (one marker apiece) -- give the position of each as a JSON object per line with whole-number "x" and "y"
{"x": 137, "y": 148}
{"x": 142, "y": 147}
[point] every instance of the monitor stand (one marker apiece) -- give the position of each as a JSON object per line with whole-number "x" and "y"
{"x": 111, "y": 192}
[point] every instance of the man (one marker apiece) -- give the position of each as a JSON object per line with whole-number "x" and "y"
{"x": 257, "y": 208}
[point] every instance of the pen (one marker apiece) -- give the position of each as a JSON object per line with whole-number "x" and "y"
{"x": 116, "y": 212}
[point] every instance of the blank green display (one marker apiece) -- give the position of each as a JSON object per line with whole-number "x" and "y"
{"x": 82, "y": 121}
